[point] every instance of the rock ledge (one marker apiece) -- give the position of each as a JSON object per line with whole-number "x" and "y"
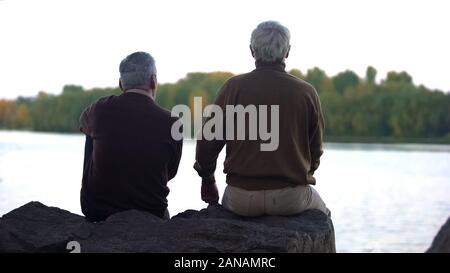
{"x": 441, "y": 243}
{"x": 35, "y": 227}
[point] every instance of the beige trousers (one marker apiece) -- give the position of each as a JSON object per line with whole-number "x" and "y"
{"x": 285, "y": 201}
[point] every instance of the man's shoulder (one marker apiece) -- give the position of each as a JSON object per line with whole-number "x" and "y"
{"x": 300, "y": 82}
{"x": 304, "y": 87}
{"x": 285, "y": 76}
{"x": 236, "y": 79}
{"x": 99, "y": 103}
{"x": 103, "y": 101}
{"x": 167, "y": 119}
{"x": 164, "y": 114}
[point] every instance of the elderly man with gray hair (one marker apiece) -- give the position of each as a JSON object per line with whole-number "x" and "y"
{"x": 274, "y": 182}
{"x": 130, "y": 154}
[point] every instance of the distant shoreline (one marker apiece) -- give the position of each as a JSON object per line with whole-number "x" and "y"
{"x": 387, "y": 140}
{"x": 327, "y": 139}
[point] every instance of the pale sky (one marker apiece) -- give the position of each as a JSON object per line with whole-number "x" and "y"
{"x": 46, "y": 44}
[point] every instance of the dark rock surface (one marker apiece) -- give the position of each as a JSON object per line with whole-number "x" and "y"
{"x": 441, "y": 243}
{"x": 35, "y": 227}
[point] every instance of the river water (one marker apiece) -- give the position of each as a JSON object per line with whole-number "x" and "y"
{"x": 383, "y": 197}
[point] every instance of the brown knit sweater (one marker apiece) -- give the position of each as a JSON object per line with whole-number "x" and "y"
{"x": 301, "y": 128}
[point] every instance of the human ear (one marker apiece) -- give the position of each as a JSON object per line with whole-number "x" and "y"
{"x": 153, "y": 82}
{"x": 120, "y": 86}
{"x": 287, "y": 53}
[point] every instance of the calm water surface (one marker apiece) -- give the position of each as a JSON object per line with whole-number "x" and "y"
{"x": 383, "y": 198}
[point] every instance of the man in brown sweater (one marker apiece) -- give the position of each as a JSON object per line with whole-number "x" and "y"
{"x": 272, "y": 181}
{"x": 130, "y": 154}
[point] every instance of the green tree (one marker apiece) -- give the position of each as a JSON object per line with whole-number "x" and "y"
{"x": 397, "y": 109}
{"x": 399, "y": 77}
{"x": 371, "y": 75}
{"x": 344, "y": 80}
{"x": 297, "y": 73}
{"x": 315, "y": 76}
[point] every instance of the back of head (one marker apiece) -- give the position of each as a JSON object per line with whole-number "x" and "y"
{"x": 270, "y": 42}
{"x": 137, "y": 70}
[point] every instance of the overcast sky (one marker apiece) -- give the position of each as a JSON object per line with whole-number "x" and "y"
{"x": 46, "y": 44}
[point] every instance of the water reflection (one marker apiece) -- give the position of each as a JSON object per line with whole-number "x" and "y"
{"x": 384, "y": 198}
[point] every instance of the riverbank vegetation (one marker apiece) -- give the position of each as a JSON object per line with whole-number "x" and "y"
{"x": 359, "y": 109}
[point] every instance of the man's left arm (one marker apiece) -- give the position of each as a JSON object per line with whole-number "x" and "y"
{"x": 175, "y": 162}
{"x": 317, "y": 126}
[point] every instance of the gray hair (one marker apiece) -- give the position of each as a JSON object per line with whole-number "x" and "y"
{"x": 270, "y": 41}
{"x": 136, "y": 70}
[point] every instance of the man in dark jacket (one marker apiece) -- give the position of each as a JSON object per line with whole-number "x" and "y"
{"x": 130, "y": 154}
{"x": 275, "y": 181}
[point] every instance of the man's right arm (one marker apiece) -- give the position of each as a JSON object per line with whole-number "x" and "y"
{"x": 317, "y": 126}
{"x": 175, "y": 162}
{"x": 206, "y": 155}
{"x": 207, "y": 151}
{"x": 88, "y": 148}
{"x": 85, "y": 120}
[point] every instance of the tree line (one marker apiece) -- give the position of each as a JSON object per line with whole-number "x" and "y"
{"x": 355, "y": 108}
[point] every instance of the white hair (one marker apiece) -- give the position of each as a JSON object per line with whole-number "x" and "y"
{"x": 270, "y": 41}
{"x": 136, "y": 70}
